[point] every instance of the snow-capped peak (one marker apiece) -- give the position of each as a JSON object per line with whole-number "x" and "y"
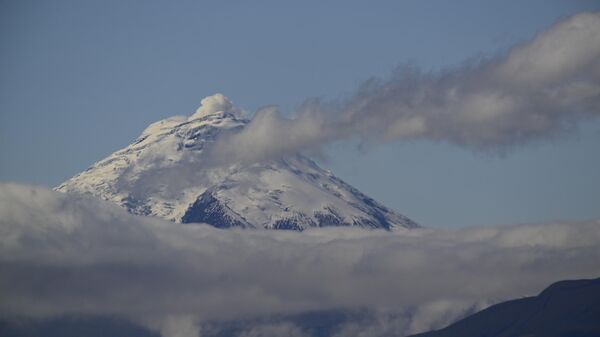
{"x": 166, "y": 172}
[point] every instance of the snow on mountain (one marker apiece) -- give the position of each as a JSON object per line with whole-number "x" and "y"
{"x": 166, "y": 172}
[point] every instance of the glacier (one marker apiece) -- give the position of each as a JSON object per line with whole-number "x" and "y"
{"x": 168, "y": 172}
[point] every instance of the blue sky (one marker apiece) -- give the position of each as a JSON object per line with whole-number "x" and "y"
{"x": 81, "y": 79}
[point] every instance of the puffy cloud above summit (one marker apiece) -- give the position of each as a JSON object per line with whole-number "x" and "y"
{"x": 61, "y": 254}
{"x": 215, "y": 103}
{"x": 532, "y": 91}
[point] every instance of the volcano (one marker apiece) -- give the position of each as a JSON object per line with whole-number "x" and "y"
{"x": 167, "y": 172}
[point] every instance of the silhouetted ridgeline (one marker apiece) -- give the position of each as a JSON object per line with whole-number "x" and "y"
{"x": 565, "y": 309}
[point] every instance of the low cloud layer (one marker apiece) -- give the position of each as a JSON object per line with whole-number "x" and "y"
{"x": 533, "y": 91}
{"x": 61, "y": 254}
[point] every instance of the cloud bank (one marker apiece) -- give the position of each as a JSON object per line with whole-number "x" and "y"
{"x": 532, "y": 91}
{"x": 63, "y": 255}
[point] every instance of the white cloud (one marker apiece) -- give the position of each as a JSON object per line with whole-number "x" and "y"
{"x": 215, "y": 103}
{"x": 564, "y": 50}
{"x": 532, "y": 91}
{"x": 60, "y": 254}
{"x": 179, "y": 326}
{"x": 273, "y": 330}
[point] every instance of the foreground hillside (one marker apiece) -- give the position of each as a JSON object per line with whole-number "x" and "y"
{"x": 565, "y": 309}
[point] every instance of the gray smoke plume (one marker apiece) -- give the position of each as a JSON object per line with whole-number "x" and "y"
{"x": 532, "y": 91}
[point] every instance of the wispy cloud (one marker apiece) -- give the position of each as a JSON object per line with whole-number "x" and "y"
{"x": 532, "y": 91}
{"x": 61, "y": 254}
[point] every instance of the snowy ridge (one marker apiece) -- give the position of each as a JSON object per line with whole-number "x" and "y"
{"x": 164, "y": 173}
